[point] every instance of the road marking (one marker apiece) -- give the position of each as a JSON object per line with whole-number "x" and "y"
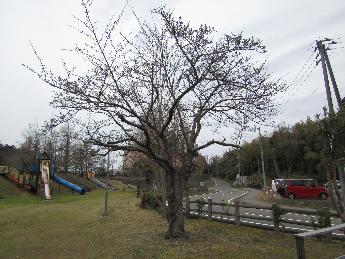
{"x": 304, "y": 215}
{"x": 266, "y": 224}
{"x": 303, "y": 229}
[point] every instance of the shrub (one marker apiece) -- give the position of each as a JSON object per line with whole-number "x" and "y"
{"x": 151, "y": 200}
{"x": 226, "y": 206}
{"x": 324, "y": 218}
{"x": 199, "y": 205}
{"x": 148, "y": 200}
{"x": 277, "y": 213}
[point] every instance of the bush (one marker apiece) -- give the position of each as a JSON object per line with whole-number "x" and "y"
{"x": 151, "y": 200}
{"x": 148, "y": 200}
{"x": 200, "y": 203}
{"x": 324, "y": 218}
{"x": 277, "y": 213}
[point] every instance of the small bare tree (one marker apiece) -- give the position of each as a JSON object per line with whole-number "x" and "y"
{"x": 155, "y": 92}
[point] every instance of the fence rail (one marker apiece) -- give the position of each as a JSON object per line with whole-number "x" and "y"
{"x": 286, "y": 209}
{"x": 325, "y": 231}
{"x": 239, "y": 218}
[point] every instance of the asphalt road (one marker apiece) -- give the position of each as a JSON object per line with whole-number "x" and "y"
{"x": 226, "y": 193}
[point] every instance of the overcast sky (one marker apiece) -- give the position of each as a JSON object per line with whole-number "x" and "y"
{"x": 287, "y": 28}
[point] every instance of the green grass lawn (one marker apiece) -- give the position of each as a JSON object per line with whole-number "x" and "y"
{"x": 306, "y": 203}
{"x": 72, "y": 226}
{"x": 9, "y": 193}
{"x": 298, "y": 202}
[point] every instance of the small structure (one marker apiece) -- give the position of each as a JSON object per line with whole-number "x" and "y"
{"x": 40, "y": 171}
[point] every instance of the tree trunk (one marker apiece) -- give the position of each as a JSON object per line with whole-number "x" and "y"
{"x": 175, "y": 186}
{"x": 276, "y": 166}
{"x": 333, "y": 192}
{"x": 342, "y": 182}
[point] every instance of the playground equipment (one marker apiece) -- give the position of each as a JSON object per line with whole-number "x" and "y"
{"x": 101, "y": 184}
{"x": 88, "y": 175}
{"x": 43, "y": 160}
{"x": 45, "y": 168}
{"x": 4, "y": 169}
{"x": 36, "y": 177}
{"x": 68, "y": 184}
{"x": 39, "y": 175}
{"x": 20, "y": 179}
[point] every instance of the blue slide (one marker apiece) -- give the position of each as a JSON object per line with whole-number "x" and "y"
{"x": 68, "y": 184}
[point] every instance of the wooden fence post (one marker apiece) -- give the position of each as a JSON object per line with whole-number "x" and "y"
{"x": 327, "y": 216}
{"x": 209, "y": 207}
{"x": 300, "y": 247}
{"x": 187, "y": 206}
{"x": 237, "y": 213}
{"x": 275, "y": 217}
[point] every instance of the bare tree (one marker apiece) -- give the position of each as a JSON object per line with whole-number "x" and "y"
{"x": 155, "y": 92}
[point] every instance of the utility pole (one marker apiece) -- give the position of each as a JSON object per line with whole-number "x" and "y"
{"x": 322, "y": 51}
{"x": 262, "y": 161}
{"x": 334, "y": 83}
{"x": 325, "y": 62}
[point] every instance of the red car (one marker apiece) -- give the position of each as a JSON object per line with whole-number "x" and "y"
{"x": 304, "y": 188}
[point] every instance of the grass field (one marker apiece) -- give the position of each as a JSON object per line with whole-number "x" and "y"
{"x": 298, "y": 202}
{"x": 72, "y": 226}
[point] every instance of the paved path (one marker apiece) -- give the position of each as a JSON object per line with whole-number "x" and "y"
{"x": 226, "y": 193}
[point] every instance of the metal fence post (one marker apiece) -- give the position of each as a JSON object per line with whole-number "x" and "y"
{"x": 209, "y": 207}
{"x": 237, "y": 213}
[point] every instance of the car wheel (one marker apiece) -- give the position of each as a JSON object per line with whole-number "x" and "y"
{"x": 323, "y": 196}
{"x": 291, "y": 196}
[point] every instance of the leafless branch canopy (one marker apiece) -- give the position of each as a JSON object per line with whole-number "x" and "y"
{"x": 153, "y": 93}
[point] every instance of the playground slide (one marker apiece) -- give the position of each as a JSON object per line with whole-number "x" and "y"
{"x": 45, "y": 179}
{"x": 68, "y": 184}
{"x": 101, "y": 183}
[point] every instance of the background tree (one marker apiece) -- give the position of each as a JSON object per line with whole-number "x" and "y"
{"x": 167, "y": 83}
{"x": 332, "y": 130}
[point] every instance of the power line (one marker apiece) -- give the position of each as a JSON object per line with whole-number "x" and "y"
{"x": 304, "y": 101}
{"x": 302, "y": 81}
{"x": 300, "y": 78}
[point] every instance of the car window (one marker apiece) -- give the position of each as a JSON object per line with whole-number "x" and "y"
{"x": 311, "y": 183}
{"x": 297, "y": 182}
{"x": 279, "y": 182}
